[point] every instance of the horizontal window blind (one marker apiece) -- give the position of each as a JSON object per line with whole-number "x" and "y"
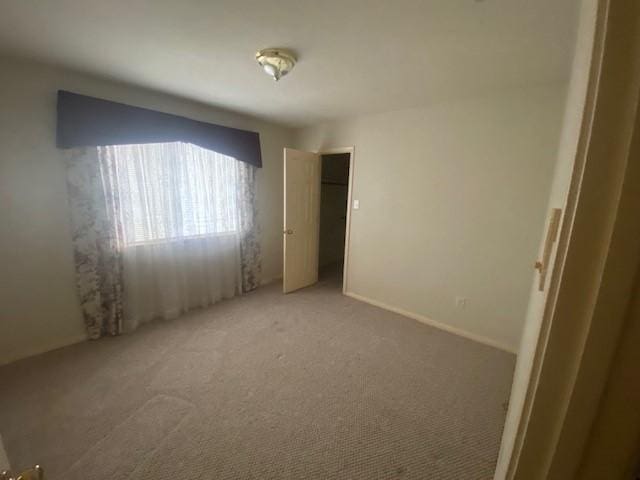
{"x": 173, "y": 190}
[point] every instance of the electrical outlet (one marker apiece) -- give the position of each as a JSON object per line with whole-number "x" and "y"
{"x": 461, "y": 302}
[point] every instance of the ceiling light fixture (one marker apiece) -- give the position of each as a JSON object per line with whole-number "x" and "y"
{"x": 276, "y": 62}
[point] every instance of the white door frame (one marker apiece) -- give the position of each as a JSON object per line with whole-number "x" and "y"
{"x": 347, "y": 233}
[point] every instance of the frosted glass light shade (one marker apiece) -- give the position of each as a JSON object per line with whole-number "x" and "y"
{"x": 276, "y": 62}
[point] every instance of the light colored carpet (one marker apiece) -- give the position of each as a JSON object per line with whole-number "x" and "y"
{"x": 310, "y": 385}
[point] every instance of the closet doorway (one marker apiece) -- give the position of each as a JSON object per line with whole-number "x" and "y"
{"x": 317, "y": 216}
{"x": 334, "y": 217}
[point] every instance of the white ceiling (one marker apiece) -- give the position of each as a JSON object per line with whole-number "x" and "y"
{"x": 355, "y": 56}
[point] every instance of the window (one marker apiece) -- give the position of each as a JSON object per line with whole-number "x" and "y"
{"x": 176, "y": 190}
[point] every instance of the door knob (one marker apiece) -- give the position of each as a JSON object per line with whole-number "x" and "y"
{"x": 34, "y": 473}
{"x": 288, "y": 231}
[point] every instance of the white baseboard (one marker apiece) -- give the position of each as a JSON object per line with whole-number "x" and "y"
{"x": 36, "y": 350}
{"x": 433, "y": 323}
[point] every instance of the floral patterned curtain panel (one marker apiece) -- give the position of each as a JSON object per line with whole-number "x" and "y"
{"x": 97, "y": 242}
{"x": 250, "y": 252}
{"x": 159, "y": 229}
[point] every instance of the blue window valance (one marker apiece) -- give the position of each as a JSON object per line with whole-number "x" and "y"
{"x": 88, "y": 121}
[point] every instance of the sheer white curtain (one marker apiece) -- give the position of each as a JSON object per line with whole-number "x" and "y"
{"x": 182, "y": 216}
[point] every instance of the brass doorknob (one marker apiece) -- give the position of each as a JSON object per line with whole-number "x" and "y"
{"x": 288, "y": 231}
{"x": 34, "y": 473}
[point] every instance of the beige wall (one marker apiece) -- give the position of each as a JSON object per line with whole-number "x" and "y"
{"x": 38, "y": 306}
{"x": 452, "y": 204}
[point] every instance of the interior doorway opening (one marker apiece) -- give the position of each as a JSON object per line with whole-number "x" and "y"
{"x": 334, "y": 207}
{"x": 312, "y": 178}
